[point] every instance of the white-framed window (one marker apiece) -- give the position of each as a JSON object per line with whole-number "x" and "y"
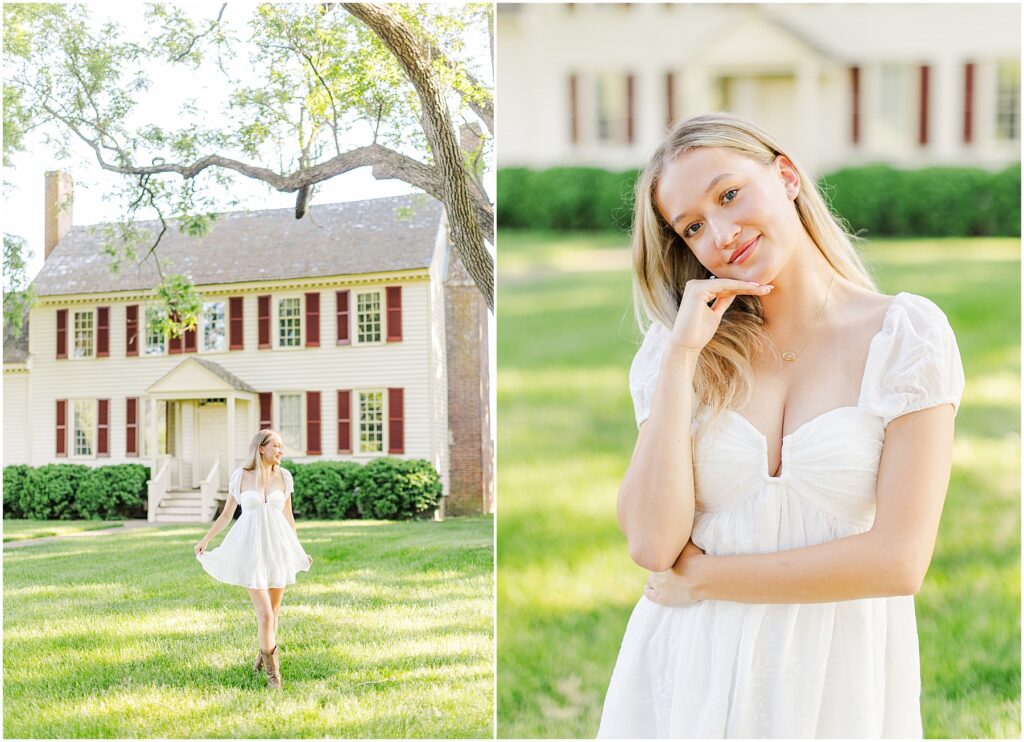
{"x": 611, "y": 108}
{"x": 142, "y": 415}
{"x": 369, "y": 316}
{"x": 1007, "y": 101}
{"x": 371, "y": 422}
{"x": 214, "y": 321}
{"x": 156, "y": 338}
{"x": 291, "y": 419}
{"x": 289, "y": 322}
{"x": 83, "y": 427}
{"x": 84, "y": 336}
{"x": 897, "y": 92}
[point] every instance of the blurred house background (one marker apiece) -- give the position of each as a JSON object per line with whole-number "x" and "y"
{"x": 840, "y": 85}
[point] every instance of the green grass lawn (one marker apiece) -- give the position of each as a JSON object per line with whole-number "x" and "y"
{"x": 566, "y": 429}
{"x": 389, "y": 635}
{"x": 19, "y": 530}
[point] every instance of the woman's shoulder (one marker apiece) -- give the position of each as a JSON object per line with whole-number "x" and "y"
{"x": 913, "y": 316}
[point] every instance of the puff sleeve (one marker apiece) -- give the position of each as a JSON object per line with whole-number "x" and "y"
{"x": 289, "y": 485}
{"x": 234, "y": 483}
{"x": 643, "y": 373}
{"x": 914, "y": 362}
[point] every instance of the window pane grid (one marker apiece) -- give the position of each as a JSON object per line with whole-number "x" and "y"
{"x": 368, "y": 317}
{"x": 289, "y": 323}
{"x": 155, "y": 341}
{"x": 371, "y": 422}
{"x": 214, "y": 326}
{"x": 85, "y": 424}
{"x": 83, "y": 334}
{"x": 1007, "y": 101}
{"x": 290, "y": 409}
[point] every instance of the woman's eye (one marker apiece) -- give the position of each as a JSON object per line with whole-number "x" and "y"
{"x": 733, "y": 191}
{"x": 689, "y": 231}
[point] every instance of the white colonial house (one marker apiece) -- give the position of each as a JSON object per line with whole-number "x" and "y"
{"x": 840, "y": 84}
{"x": 350, "y": 331}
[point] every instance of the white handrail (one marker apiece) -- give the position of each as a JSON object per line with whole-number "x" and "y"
{"x": 157, "y": 488}
{"x": 209, "y": 488}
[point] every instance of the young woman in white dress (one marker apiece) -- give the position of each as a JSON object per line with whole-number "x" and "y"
{"x": 794, "y": 451}
{"x": 261, "y": 552}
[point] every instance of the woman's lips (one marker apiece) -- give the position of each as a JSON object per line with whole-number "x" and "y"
{"x": 742, "y": 255}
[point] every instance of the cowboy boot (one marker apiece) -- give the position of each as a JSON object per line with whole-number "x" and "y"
{"x": 258, "y": 665}
{"x": 271, "y": 662}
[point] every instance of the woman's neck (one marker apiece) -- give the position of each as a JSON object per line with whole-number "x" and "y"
{"x": 801, "y": 288}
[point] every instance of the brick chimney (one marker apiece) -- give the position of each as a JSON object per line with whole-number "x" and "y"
{"x": 57, "y": 211}
{"x": 471, "y": 450}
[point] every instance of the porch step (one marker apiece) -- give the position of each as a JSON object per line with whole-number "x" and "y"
{"x": 181, "y": 506}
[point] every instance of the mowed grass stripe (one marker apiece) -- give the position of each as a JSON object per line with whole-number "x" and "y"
{"x": 566, "y": 585}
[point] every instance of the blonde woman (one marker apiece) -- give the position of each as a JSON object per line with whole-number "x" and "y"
{"x": 794, "y": 450}
{"x": 261, "y": 552}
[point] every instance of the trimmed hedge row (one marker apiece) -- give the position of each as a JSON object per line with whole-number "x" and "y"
{"x": 75, "y": 491}
{"x": 876, "y": 200}
{"x": 385, "y": 488}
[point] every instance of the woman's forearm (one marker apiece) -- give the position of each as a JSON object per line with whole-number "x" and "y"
{"x": 217, "y": 527}
{"x": 858, "y": 566}
{"x": 656, "y": 498}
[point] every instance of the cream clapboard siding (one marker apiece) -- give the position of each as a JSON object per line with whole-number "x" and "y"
{"x": 16, "y": 421}
{"x": 325, "y": 369}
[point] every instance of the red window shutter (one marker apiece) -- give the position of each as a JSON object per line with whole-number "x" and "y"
{"x": 102, "y": 332}
{"x": 263, "y": 320}
{"x": 131, "y": 427}
{"x": 266, "y": 399}
{"x": 855, "y": 104}
{"x": 103, "y": 427}
{"x": 174, "y": 344}
{"x": 629, "y": 108}
{"x": 313, "y": 320}
{"x": 131, "y": 330}
{"x": 235, "y": 309}
{"x": 922, "y": 135}
{"x": 670, "y": 99}
{"x": 968, "y": 103}
{"x": 341, "y": 310}
{"x": 344, "y": 421}
{"x": 396, "y": 421}
{"x": 190, "y": 341}
{"x": 62, "y": 427}
{"x": 313, "y": 423}
{"x": 62, "y": 333}
{"x": 394, "y": 305}
{"x": 574, "y": 118}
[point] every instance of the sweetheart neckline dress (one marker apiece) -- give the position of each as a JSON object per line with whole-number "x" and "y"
{"x": 722, "y": 669}
{"x": 261, "y": 550}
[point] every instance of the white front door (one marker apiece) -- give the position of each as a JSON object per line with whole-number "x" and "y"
{"x": 211, "y": 438}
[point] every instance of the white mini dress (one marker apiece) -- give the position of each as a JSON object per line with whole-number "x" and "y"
{"x": 721, "y": 669}
{"x": 261, "y": 550}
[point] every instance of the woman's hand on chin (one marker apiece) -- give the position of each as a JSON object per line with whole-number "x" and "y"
{"x": 676, "y": 587}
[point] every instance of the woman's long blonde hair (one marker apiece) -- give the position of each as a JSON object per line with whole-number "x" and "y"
{"x": 662, "y": 263}
{"x": 254, "y": 462}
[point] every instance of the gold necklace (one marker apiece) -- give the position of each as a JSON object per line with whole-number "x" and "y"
{"x": 790, "y": 355}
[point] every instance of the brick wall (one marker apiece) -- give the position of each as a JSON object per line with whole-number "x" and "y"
{"x": 471, "y": 450}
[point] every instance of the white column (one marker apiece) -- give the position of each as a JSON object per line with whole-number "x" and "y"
{"x": 154, "y": 439}
{"x": 870, "y": 100}
{"x": 947, "y": 115}
{"x": 984, "y": 110}
{"x": 649, "y": 109}
{"x": 695, "y": 91}
{"x": 231, "y": 436}
{"x": 809, "y": 113}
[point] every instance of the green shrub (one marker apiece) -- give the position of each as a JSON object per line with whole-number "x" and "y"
{"x": 566, "y": 198}
{"x": 14, "y": 485}
{"x": 326, "y": 490}
{"x": 394, "y": 489}
{"x": 50, "y": 490}
{"x": 116, "y": 491}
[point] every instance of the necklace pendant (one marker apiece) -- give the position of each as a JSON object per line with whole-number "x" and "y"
{"x": 789, "y": 356}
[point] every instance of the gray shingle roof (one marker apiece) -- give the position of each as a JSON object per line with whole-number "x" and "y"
{"x": 384, "y": 234}
{"x": 16, "y": 350}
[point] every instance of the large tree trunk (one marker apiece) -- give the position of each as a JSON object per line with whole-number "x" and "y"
{"x": 413, "y": 55}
